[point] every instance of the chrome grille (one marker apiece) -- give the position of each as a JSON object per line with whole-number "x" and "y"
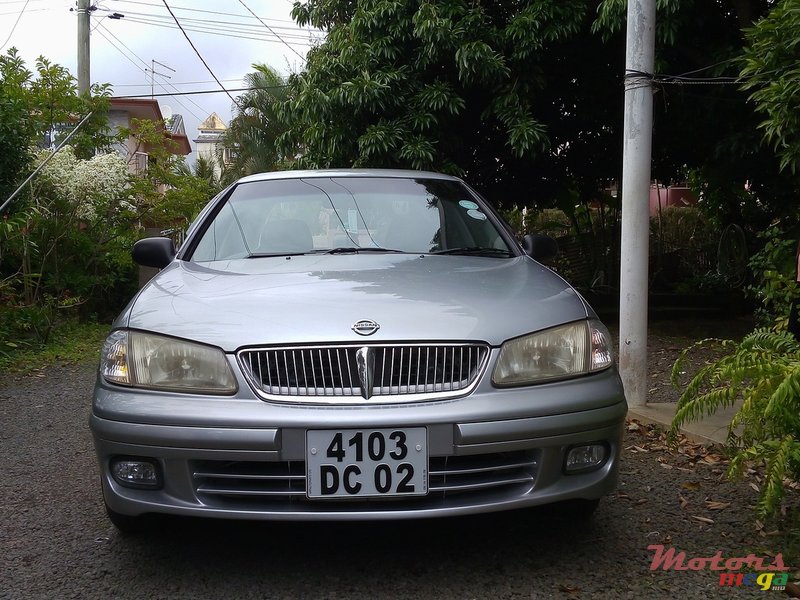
{"x": 276, "y": 484}
{"x": 379, "y": 373}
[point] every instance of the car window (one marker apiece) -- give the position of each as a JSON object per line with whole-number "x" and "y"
{"x": 325, "y": 213}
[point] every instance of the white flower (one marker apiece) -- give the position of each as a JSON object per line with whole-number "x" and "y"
{"x": 96, "y": 185}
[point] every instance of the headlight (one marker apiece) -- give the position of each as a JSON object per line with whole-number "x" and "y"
{"x": 564, "y": 351}
{"x": 158, "y": 362}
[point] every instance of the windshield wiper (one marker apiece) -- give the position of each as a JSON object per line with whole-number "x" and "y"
{"x": 355, "y": 250}
{"x": 477, "y": 250}
{"x": 269, "y": 254}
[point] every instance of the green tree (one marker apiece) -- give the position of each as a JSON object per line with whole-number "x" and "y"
{"x": 451, "y": 85}
{"x": 37, "y": 109}
{"x": 255, "y": 128}
{"x": 772, "y": 73}
{"x": 16, "y": 122}
{"x": 204, "y": 169}
{"x": 525, "y": 98}
{"x": 166, "y": 194}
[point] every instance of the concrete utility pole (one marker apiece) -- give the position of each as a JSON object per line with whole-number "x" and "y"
{"x": 84, "y": 76}
{"x": 636, "y": 159}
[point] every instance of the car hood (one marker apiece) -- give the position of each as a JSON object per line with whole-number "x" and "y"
{"x": 318, "y": 299}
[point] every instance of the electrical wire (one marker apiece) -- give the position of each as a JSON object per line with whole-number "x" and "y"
{"x": 199, "y": 10}
{"x": 202, "y": 92}
{"x": 643, "y": 79}
{"x": 219, "y": 32}
{"x": 119, "y": 85}
{"x": 212, "y": 31}
{"x": 144, "y": 70}
{"x": 188, "y": 39}
{"x": 113, "y": 45}
{"x": 189, "y": 110}
{"x": 30, "y": 10}
{"x": 14, "y": 28}
{"x": 717, "y": 64}
{"x": 303, "y": 58}
{"x": 217, "y": 22}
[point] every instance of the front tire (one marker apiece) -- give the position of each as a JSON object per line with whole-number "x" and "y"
{"x": 128, "y": 525}
{"x": 578, "y": 510}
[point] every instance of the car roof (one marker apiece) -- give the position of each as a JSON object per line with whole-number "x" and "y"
{"x": 396, "y": 173}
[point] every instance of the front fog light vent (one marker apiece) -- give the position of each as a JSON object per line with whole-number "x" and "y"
{"x": 136, "y": 473}
{"x": 585, "y": 458}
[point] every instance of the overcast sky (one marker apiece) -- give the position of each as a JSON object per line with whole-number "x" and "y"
{"x": 226, "y": 35}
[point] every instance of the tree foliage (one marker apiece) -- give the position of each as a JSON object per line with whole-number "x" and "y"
{"x": 166, "y": 194}
{"x": 65, "y": 241}
{"x": 457, "y": 86}
{"x": 254, "y": 130}
{"x": 37, "y": 109}
{"x": 524, "y": 98}
{"x": 772, "y": 73}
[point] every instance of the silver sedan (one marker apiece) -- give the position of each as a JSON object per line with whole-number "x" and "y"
{"x": 351, "y": 344}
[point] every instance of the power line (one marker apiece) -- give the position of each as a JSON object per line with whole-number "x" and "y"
{"x": 211, "y": 12}
{"x": 293, "y": 31}
{"x": 272, "y": 32}
{"x": 113, "y": 45}
{"x": 174, "y": 83}
{"x": 14, "y": 28}
{"x": 211, "y": 31}
{"x": 196, "y": 52}
{"x": 200, "y": 108}
{"x": 643, "y": 79}
{"x": 202, "y": 92}
{"x": 139, "y": 58}
{"x": 717, "y": 64}
{"x": 31, "y": 10}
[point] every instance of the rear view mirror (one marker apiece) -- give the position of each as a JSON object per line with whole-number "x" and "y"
{"x": 539, "y": 247}
{"x": 155, "y": 252}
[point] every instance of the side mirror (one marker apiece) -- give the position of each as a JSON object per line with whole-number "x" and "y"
{"x": 539, "y": 247}
{"x": 155, "y": 252}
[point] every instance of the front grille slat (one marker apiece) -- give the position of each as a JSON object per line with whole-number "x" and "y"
{"x": 481, "y": 485}
{"x": 330, "y": 374}
{"x": 252, "y": 476}
{"x": 281, "y": 484}
{"x": 473, "y": 470}
{"x": 427, "y": 371}
{"x": 245, "y": 492}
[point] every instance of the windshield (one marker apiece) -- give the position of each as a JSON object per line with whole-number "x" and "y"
{"x": 349, "y": 214}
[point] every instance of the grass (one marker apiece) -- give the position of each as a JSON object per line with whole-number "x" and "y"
{"x": 70, "y": 342}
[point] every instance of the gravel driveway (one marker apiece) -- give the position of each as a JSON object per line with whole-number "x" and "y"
{"x": 56, "y": 542}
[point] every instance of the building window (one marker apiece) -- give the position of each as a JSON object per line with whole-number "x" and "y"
{"x": 140, "y": 161}
{"x": 229, "y": 155}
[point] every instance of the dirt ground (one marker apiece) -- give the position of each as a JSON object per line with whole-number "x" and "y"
{"x": 668, "y": 338}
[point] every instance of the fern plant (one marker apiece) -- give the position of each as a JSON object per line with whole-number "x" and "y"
{"x": 763, "y": 370}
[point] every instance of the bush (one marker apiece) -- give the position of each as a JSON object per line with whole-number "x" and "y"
{"x": 775, "y": 286}
{"x": 763, "y": 370}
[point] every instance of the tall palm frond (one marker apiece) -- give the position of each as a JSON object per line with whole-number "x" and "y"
{"x": 255, "y": 127}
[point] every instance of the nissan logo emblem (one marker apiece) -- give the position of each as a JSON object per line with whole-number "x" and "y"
{"x": 365, "y": 327}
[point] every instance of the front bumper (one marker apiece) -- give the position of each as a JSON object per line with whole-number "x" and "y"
{"x": 492, "y": 450}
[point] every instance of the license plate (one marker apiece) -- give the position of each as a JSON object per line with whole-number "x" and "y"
{"x": 359, "y": 463}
